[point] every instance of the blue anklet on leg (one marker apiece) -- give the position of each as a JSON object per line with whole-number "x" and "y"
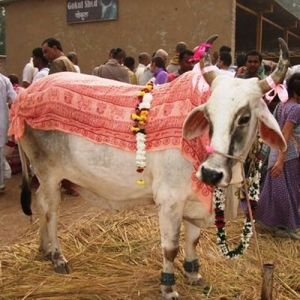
{"x": 167, "y": 279}
{"x": 191, "y": 266}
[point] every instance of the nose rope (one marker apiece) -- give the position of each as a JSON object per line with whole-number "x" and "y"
{"x": 211, "y": 149}
{"x": 238, "y": 158}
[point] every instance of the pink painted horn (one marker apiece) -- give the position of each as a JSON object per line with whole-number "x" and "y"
{"x": 205, "y": 61}
{"x": 278, "y": 74}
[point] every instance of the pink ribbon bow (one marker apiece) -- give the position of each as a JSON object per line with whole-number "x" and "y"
{"x": 278, "y": 89}
{"x": 200, "y": 51}
{"x": 209, "y": 149}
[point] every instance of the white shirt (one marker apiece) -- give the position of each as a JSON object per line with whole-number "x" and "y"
{"x": 77, "y": 69}
{"x": 139, "y": 73}
{"x": 40, "y": 74}
{"x": 294, "y": 69}
{"x": 7, "y": 96}
{"x": 196, "y": 68}
{"x": 28, "y": 72}
{"x": 225, "y": 72}
{"x": 146, "y": 76}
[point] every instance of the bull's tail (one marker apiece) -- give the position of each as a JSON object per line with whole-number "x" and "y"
{"x": 26, "y": 192}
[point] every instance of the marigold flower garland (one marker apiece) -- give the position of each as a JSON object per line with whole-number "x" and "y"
{"x": 219, "y": 197}
{"x": 140, "y": 119}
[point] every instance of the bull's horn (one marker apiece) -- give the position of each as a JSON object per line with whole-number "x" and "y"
{"x": 210, "y": 40}
{"x": 279, "y": 73}
{"x": 208, "y": 74}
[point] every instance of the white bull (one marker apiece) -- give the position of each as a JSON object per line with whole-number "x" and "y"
{"x": 103, "y": 172}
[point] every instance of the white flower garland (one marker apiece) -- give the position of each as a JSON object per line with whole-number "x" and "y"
{"x": 219, "y": 200}
{"x": 140, "y": 119}
{"x": 140, "y": 157}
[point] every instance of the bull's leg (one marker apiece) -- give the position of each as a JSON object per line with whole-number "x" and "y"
{"x": 170, "y": 220}
{"x": 191, "y": 264}
{"x": 48, "y": 199}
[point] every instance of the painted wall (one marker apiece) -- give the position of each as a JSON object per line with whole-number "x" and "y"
{"x": 141, "y": 26}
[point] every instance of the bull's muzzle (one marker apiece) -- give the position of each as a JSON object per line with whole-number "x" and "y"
{"x": 210, "y": 176}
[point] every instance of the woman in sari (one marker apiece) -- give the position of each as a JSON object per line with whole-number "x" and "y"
{"x": 278, "y": 207}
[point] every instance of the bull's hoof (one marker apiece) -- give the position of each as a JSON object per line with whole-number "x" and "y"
{"x": 47, "y": 256}
{"x": 63, "y": 268}
{"x": 199, "y": 282}
{"x": 168, "y": 293}
{"x": 194, "y": 279}
{"x": 171, "y": 296}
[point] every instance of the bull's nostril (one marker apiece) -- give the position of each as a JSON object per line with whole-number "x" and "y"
{"x": 210, "y": 176}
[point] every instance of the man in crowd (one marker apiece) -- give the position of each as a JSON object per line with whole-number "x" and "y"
{"x": 224, "y": 62}
{"x": 174, "y": 63}
{"x": 28, "y": 74}
{"x": 148, "y": 75}
{"x": 53, "y": 52}
{"x": 39, "y": 62}
{"x": 7, "y": 96}
{"x": 114, "y": 68}
{"x": 252, "y": 66}
{"x": 185, "y": 64}
{"x": 144, "y": 61}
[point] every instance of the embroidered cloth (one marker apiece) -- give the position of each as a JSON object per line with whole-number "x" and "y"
{"x": 100, "y": 110}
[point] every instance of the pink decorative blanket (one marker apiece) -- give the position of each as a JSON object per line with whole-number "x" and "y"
{"x": 100, "y": 110}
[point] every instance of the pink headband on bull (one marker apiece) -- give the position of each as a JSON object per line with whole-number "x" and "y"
{"x": 200, "y": 51}
{"x": 277, "y": 89}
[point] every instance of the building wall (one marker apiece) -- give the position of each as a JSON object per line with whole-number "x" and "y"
{"x": 141, "y": 26}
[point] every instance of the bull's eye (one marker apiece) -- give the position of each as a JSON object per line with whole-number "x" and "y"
{"x": 244, "y": 120}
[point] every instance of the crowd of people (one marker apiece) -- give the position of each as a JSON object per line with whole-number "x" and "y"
{"x": 278, "y": 208}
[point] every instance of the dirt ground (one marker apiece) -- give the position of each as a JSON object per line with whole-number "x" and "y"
{"x": 13, "y": 221}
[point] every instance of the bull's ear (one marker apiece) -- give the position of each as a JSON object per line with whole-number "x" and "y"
{"x": 195, "y": 124}
{"x": 269, "y": 129}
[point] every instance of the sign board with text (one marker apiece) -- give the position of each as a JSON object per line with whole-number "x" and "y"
{"x": 91, "y": 10}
